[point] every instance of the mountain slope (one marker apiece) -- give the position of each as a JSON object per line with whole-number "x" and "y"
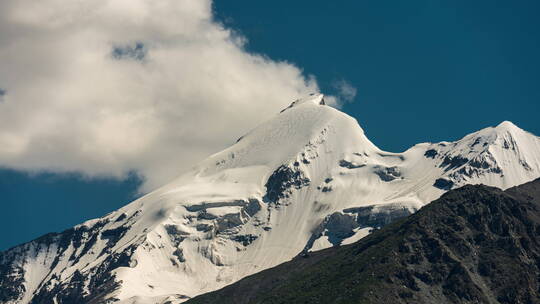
{"x": 305, "y": 180}
{"x": 476, "y": 244}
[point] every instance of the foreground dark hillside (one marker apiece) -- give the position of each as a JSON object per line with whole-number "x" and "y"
{"x": 476, "y": 244}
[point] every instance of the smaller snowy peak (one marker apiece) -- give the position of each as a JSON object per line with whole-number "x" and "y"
{"x": 505, "y": 136}
{"x": 505, "y": 129}
{"x": 314, "y": 98}
{"x": 504, "y": 153}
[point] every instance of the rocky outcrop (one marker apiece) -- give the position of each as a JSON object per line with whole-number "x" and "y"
{"x": 282, "y": 181}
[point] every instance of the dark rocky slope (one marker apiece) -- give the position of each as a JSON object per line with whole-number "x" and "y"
{"x": 475, "y": 244}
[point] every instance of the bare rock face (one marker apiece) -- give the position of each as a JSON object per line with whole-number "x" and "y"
{"x": 282, "y": 181}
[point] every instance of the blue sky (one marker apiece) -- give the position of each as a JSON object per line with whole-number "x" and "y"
{"x": 423, "y": 71}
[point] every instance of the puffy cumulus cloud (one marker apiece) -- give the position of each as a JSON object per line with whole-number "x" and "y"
{"x": 106, "y": 87}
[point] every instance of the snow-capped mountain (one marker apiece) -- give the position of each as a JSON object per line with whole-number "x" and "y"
{"x": 307, "y": 179}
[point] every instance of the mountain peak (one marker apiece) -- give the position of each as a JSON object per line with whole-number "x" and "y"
{"x": 492, "y": 133}
{"x": 503, "y": 134}
{"x": 507, "y": 127}
{"x": 506, "y": 124}
{"x": 313, "y": 98}
{"x": 505, "y": 151}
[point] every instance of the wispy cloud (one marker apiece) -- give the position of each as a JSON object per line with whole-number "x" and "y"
{"x": 108, "y": 87}
{"x": 345, "y": 90}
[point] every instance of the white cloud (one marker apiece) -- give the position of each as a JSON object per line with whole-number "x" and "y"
{"x": 345, "y": 90}
{"x": 105, "y": 87}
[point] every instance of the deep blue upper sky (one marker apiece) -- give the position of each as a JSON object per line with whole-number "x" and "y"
{"x": 425, "y": 71}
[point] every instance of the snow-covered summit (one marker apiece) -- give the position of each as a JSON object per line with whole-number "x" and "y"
{"x": 314, "y": 98}
{"x": 499, "y": 156}
{"x": 507, "y": 125}
{"x": 307, "y": 179}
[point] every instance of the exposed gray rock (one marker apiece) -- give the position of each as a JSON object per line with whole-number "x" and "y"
{"x": 208, "y": 205}
{"x": 176, "y": 235}
{"x": 245, "y": 239}
{"x": 350, "y": 165}
{"x": 443, "y": 184}
{"x": 431, "y": 153}
{"x": 228, "y": 221}
{"x": 179, "y": 254}
{"x": 204, "y": 227}
{"x": 252, "y": 207}
{"x": 341, "y": 225}
{"x": 282, "y": 181}
{"x": 387, "y": 174}
{"x": 450, "y": 162}
{"x": 378, "y": 216}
